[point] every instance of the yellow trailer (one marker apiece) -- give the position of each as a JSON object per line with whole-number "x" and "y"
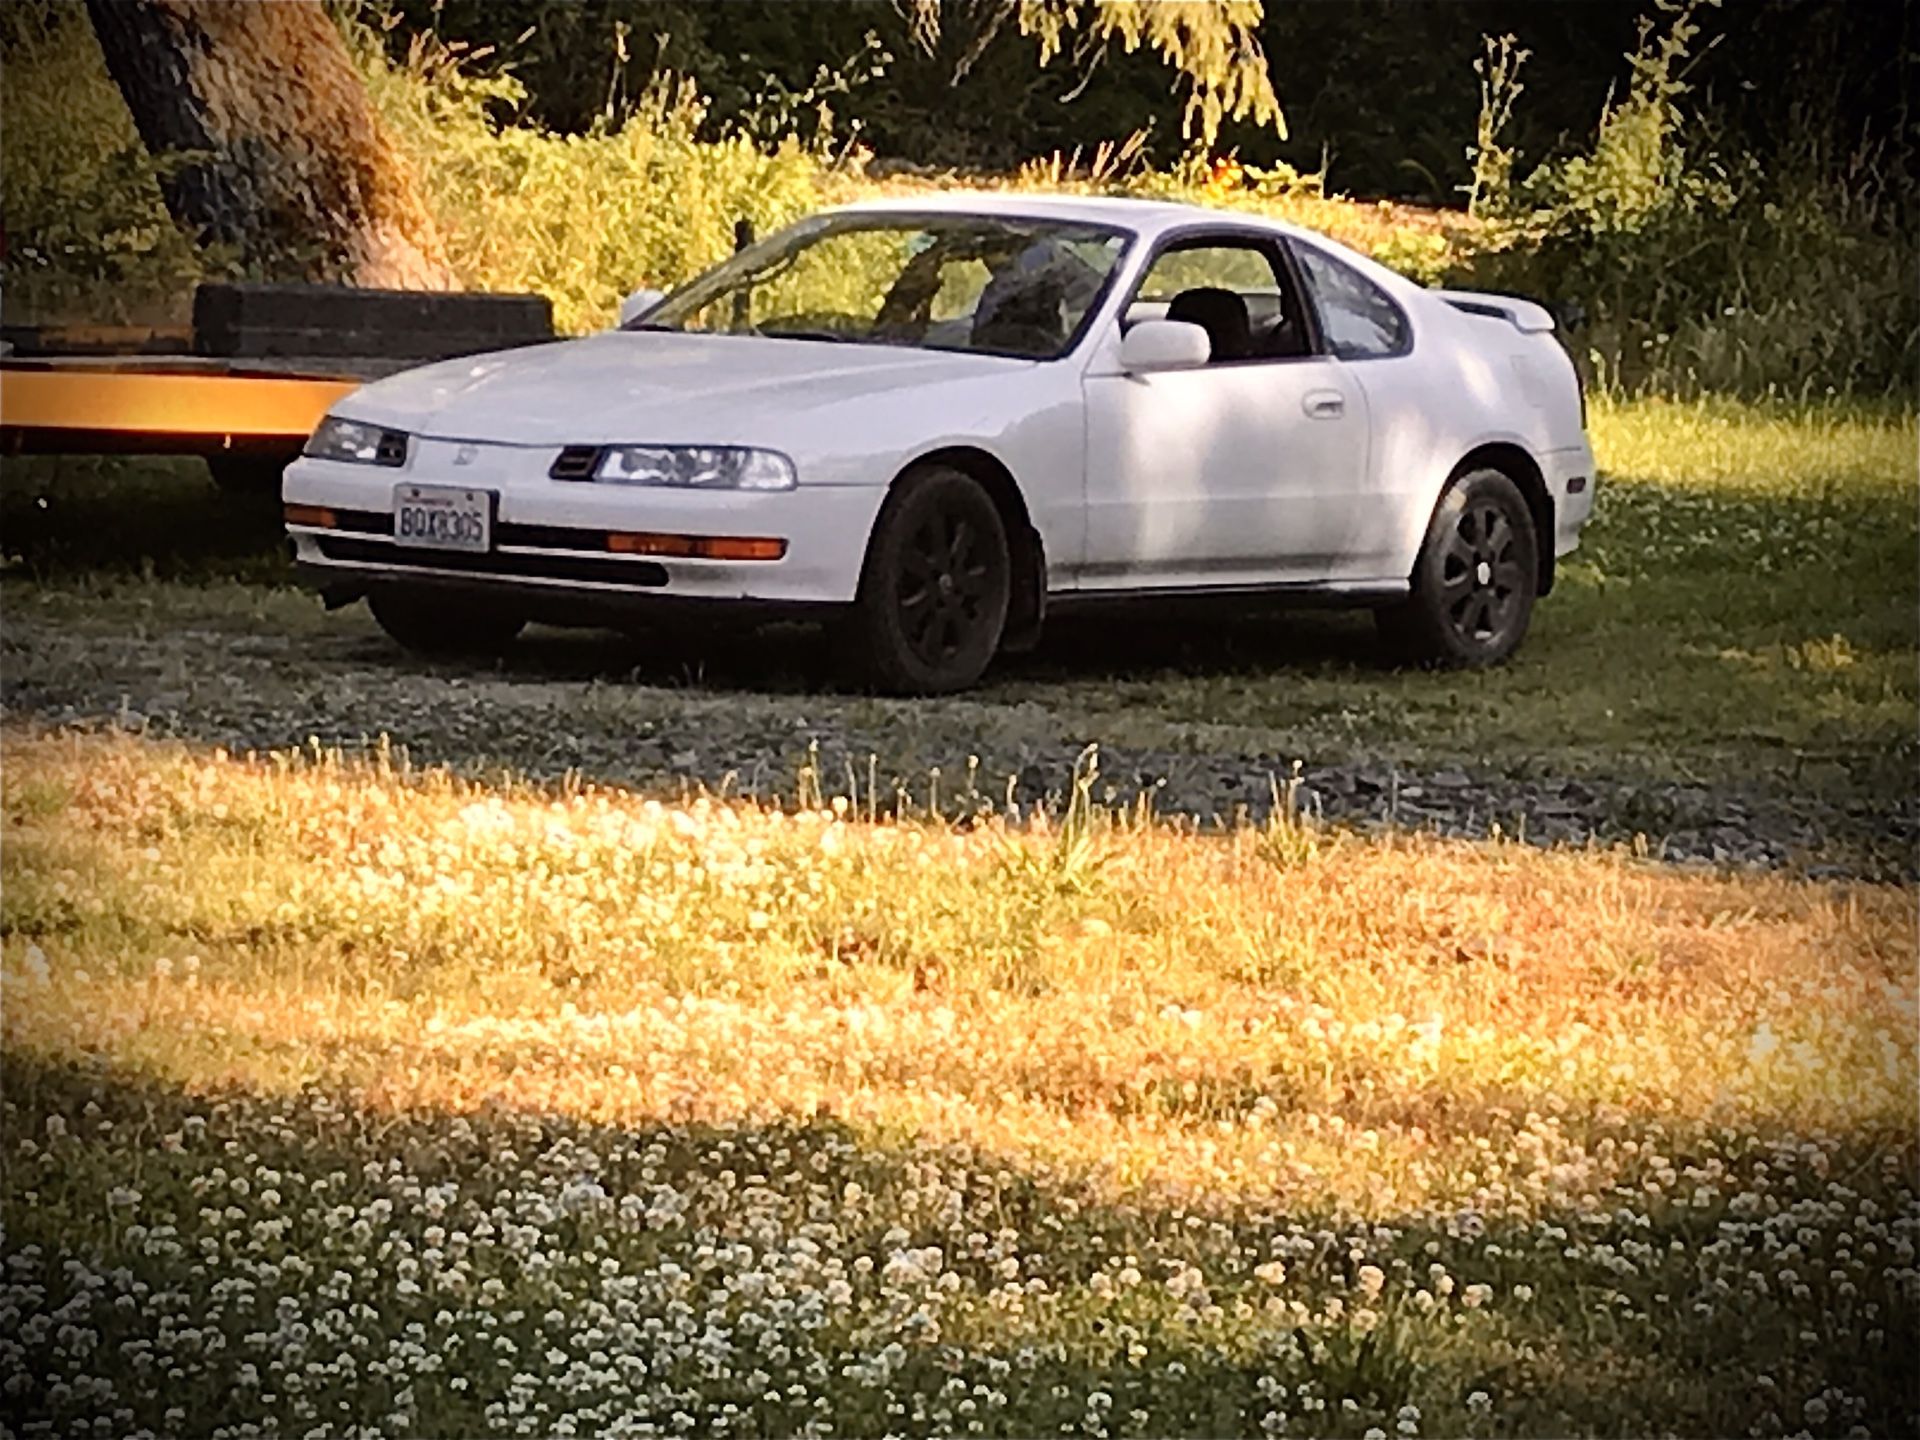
{"x": 245, "y": 386}
{"x": 159, "y": 406}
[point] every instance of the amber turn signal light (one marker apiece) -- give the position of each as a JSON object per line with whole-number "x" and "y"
{"x": 317, "y": 516}
{"x": 698, "y": 547}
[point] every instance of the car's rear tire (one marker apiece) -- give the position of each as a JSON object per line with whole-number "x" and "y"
{"x": 444, "y": 626}
{"x": 1474, "y": 585}
{"x": 934, "y": 589}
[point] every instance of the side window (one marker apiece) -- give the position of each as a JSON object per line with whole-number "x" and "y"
{"x": 1360, "y": 320}
{"x": 1234, "y": 290}
{"x": 1240, "y": 268}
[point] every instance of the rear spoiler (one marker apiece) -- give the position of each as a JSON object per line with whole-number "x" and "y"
{"x": 1523, "y": 315}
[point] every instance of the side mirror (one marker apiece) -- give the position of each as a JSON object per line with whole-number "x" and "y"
{"x": 639, "y": 303}
{"x": 1164, "y": 345}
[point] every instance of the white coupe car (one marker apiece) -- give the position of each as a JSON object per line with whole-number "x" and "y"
{"x": 933, "y": 421}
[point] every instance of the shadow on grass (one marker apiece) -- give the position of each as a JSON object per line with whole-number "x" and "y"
{"x": 64, "y": 517}
{"x": 804, "y": 658}
{"x": 1777, "y": 629}
{"x": 1671, "y": 580}
{"x": 595, "y": 1238}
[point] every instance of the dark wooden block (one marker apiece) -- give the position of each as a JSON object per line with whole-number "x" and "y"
{"x": 251, "y": 319}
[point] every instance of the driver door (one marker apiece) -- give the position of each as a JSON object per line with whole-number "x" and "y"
{"x": 1248, "y": 470}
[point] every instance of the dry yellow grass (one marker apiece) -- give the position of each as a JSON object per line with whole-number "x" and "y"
{"x": 547, "y": 1112}
{"x": 1313, "y": 1017}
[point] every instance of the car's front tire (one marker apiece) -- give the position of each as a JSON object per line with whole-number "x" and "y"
{"x": 1474, "y": 584}
{"x": 934, "y": 588}
{"x": 443, "y": 627}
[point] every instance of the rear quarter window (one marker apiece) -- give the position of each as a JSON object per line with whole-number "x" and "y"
{"x": 1359, "y": 319}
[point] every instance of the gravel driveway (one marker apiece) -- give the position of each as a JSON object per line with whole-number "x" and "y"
{"x": 254, "y": 668}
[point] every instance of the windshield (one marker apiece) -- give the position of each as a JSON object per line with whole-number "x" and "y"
{"x": 952, "y": 282}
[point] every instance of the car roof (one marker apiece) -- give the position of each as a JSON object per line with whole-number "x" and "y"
{"x": 1126, "y": 213}
{"x": 1146, "y": 218}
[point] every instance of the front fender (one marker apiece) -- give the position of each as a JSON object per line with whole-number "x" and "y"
{"x": 1031, "y": 422}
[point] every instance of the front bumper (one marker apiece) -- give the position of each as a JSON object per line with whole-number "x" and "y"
{"x": 550, "y": 537}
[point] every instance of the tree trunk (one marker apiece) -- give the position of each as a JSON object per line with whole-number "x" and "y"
{"x": 268, "y": 143}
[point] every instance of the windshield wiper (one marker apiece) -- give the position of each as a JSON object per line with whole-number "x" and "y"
{"x": 826, "y": 335}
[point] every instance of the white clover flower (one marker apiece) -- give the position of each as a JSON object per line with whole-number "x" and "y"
{"x": 1370, "y": 1279}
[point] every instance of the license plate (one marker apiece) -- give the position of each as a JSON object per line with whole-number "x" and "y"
{"x": 443, "y": 517}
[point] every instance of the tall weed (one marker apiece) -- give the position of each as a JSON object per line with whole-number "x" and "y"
{"x": 1697, "y": 272}
{"x": 637, "y": 200}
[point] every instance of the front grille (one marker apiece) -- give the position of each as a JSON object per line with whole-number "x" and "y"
{"x": 638, "y": 574}
{"x": 576, "y": 462}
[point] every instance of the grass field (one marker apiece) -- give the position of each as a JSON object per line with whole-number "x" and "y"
{"x": 343, "y": 1097}
{"x": 366, "y": 1101}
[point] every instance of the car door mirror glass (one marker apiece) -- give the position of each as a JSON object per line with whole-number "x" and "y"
{"x": 638, "y": 303}
{"x": 1164, "y": 345}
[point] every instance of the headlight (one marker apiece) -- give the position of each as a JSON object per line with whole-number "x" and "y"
{"x": 695, "y": 467}
{"x": 358, "y": 443}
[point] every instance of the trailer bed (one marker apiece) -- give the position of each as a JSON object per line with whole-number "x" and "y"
{"x": 161, "y": 406}
{"x": 256, "y": 372}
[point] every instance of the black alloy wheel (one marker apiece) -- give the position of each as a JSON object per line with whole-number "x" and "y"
{"x": 947, "y": 586}
{"x": 935, "y": 587}
{"x": 1481, "y": 576}
{"x": 1471, "y": 594}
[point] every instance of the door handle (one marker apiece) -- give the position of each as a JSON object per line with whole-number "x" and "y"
{"x": 1324, "y": 404}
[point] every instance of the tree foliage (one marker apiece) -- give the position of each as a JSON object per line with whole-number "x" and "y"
{"x": 1213, "y": 44}
{"x": 1379, "y": 93}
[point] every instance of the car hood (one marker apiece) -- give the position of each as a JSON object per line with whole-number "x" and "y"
{"x": 665, "y": 387}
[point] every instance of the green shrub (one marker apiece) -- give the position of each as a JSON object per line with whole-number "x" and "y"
{"x": 582, "y": 218}
{"x": 646, "y": 195}
{"x": 87, "y": 233}
{"x": 1696, "y": 273}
